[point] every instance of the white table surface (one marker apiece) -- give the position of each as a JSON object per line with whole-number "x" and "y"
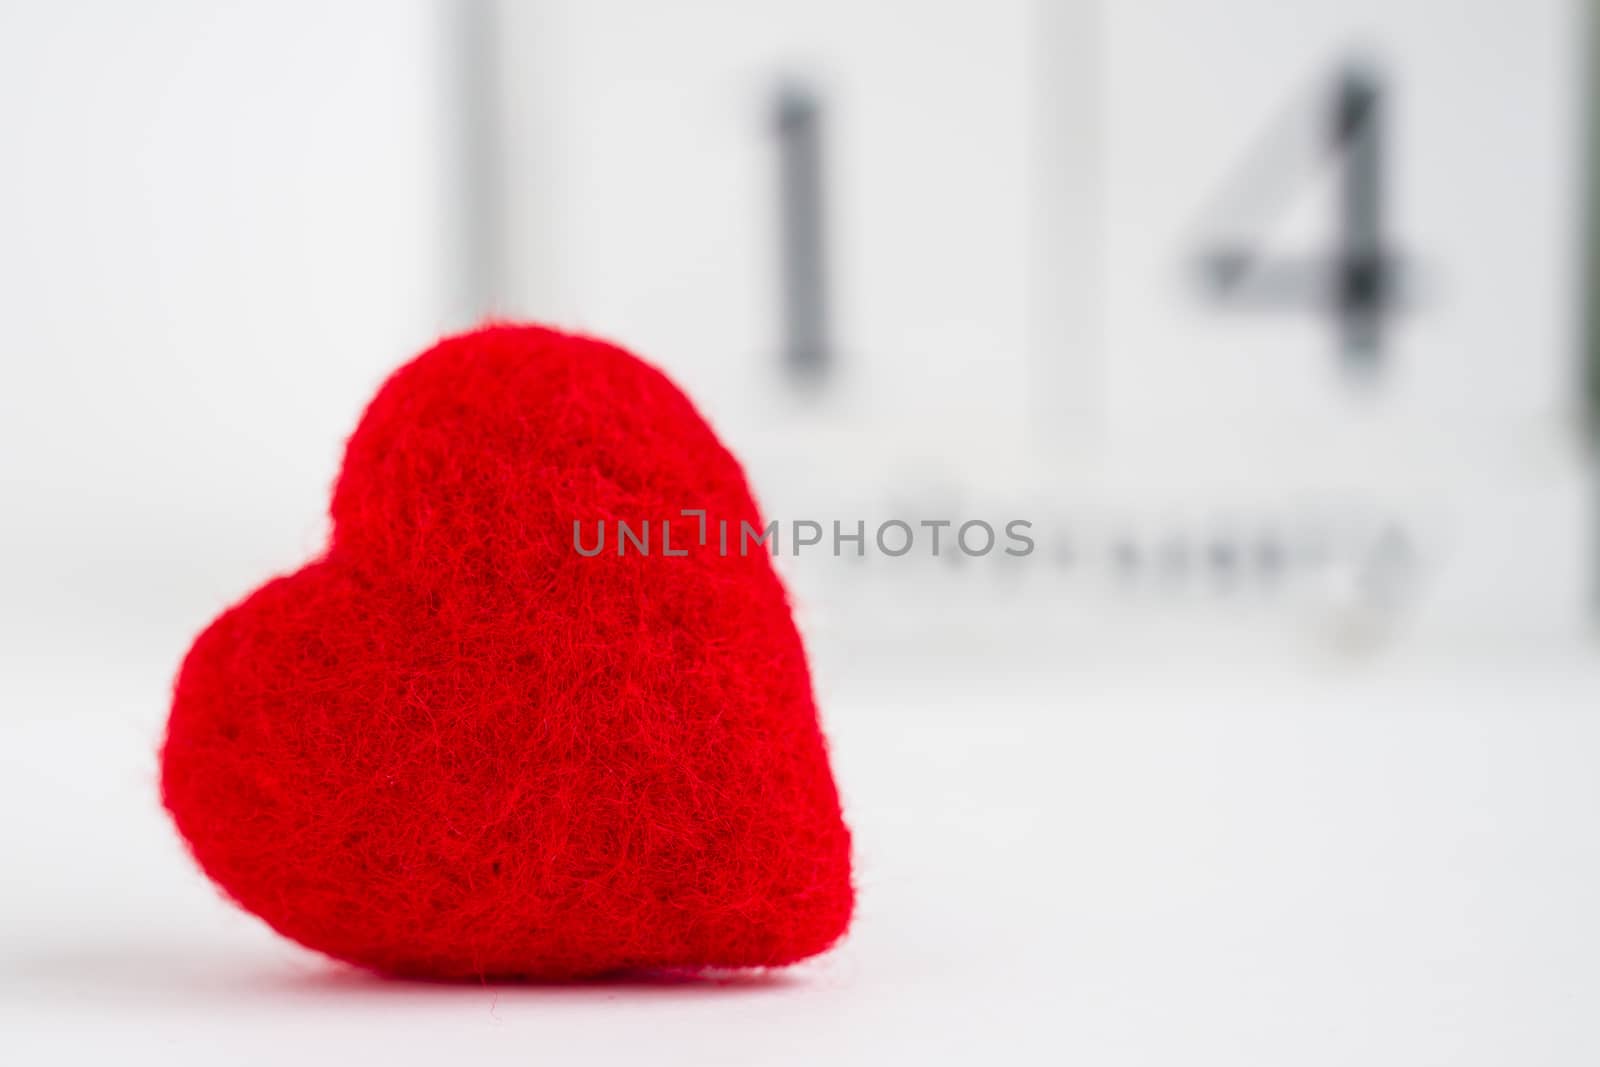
{"x": 1330, "y": 865}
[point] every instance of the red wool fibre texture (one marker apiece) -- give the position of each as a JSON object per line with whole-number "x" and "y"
{"x": 453, "y": 747}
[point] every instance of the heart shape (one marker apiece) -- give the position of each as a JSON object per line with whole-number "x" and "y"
{"x": 455, "y": 746}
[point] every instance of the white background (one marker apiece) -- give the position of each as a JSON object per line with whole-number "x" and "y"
{"x": 1342, "y": 817}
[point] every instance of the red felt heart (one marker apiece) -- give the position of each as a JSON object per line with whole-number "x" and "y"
{"x": 454, "y": 745}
